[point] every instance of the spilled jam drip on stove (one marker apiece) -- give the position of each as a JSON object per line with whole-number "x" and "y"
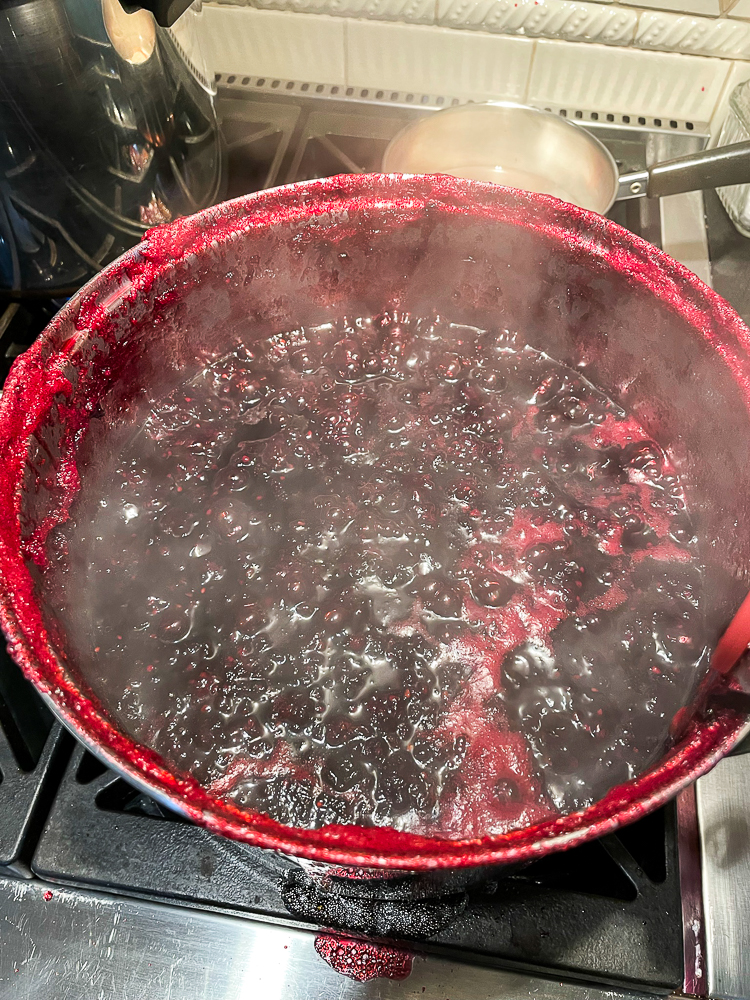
{"x": 397, "y": 572}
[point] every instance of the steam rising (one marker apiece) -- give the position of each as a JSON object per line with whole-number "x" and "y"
{"x": 397, "y": 571}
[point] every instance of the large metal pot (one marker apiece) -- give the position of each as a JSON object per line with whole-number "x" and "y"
{"x": 590, "y": 293}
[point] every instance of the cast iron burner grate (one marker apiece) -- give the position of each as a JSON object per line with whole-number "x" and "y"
{"x": 32, "y": 750}
{"x": 607, "y": 911}
{"x": 20, "y": 325}
{"x": 32, "y": 747}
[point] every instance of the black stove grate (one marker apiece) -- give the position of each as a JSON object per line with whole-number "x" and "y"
{"x": 32, "y": 749}
{"x": 21, "y": 322}
{"x": 607, "y": 911}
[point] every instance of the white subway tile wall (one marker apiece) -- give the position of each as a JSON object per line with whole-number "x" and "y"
{"x": 738, "y": 73}
{"x": 275, "y": 43}
{"x": 740, "y": 9}
{"x": 704, "y": 27}
{"x": 647, "y": 83}
{"x": 410, "y": 11}
{"x": 572, "y": 21}
{"x": 710, "y": 8}
{"x": 581, "y": 56}
{"x": 432, "y": 60}
{"x": 728, "y": 39}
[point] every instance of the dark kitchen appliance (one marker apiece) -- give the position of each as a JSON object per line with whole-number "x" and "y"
{"x": 104, "y": 131}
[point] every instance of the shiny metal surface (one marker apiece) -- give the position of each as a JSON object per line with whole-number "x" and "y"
{"x": 57, "y": 943}
{"x": 632, "y": 185}
{"x": 104, "y": 132}
{"x": 693, "y": 925}
{"x": 696, "y": 171}
{"x": 683, "y": 231}
{"x": 723, "y": 795}
{"x": 539, "y": 151}
{"x": 723, "y": 799}
{"x": 509, "y": 144}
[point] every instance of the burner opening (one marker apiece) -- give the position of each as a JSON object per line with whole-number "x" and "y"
{"x": 645, "y": 841}
{"x": 89, "y": 769}
{"x": 589, "y": 869}
{"x": 120, "y": 797}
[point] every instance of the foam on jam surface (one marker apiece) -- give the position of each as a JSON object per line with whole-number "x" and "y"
{"x": 394, "y": 572}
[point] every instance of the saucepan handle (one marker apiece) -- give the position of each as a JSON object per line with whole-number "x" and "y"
{"x": 709, "y": 169}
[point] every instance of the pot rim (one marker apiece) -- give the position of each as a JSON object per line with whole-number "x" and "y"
{"x": 34, "y": 650}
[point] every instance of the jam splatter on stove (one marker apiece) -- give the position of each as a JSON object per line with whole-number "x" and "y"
{"x": 363, "y": 960}
{"x": 395, "y": 572}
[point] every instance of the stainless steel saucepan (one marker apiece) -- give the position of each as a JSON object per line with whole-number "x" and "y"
{"x": 539, "y": 151}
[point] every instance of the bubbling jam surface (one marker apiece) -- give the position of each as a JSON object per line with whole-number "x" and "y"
{"x": 396, "y": 572}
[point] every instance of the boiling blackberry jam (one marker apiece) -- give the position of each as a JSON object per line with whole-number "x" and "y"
{"x": 395, "y": 571}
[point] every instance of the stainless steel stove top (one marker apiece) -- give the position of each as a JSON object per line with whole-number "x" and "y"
{"x": 104, "y": 895}
{"x": 69, "y": 943}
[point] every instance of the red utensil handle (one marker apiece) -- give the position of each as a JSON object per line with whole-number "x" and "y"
{"x": 735, "y": 640}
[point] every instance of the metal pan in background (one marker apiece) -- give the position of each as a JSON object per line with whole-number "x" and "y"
{"x": 534, "y": 150}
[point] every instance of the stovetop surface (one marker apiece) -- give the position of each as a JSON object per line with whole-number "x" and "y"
{"x": 608, "y": 912}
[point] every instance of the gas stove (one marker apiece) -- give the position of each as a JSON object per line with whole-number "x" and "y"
{"x": 106, "y": 893}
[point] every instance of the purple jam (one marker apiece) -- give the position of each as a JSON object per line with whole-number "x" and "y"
{"x": 396, "y": 572}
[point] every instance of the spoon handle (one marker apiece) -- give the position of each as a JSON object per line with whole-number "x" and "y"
{"x": 735, "y": 640}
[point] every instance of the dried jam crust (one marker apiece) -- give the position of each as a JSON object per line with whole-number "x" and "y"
{"x": 392, "y": 572}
